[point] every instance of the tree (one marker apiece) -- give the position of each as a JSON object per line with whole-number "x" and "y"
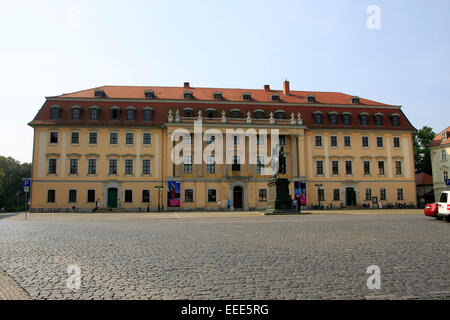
{"x": 11, "y": 174}
{"x": 422, "y": 153}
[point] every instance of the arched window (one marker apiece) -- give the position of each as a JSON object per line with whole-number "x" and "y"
{"x": 76, "y": 113}
{"x": 211, "y": 113}
{"x": 99, "y": 93}
{"x": 218, "y": 95}
{"x": 114, "y": 113}
{"x": 188, "y": 95}
{"x": 355, "y": 100}
{"x": 235, "y": 113}
{"x": 311, "y": 98}
{"x": 55, "y": 112}
{"x": 279, "y": 114}
{"x": 147, "y": 114}
{"x": 318, "y": 118}
{"x": 131, "y": 113}
{"x": 258, "y": 114}
{"x": 395, "y": 119}
{"x": 347, "y": 118}
{"x": 94, "y": 113}
{"x": 378, "y": 118}
{"x": 246, "y": 96}
{"x": 188, "y": 112}
{"x": 364, "y": 118}
{"x": 149, "y": 94}
{"x": 333, "y": 117}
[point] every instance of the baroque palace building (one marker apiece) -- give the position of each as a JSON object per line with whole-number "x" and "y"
{"x": 113, "y": 144}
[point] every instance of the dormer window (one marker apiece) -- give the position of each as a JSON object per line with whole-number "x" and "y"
{"x": 347, "y": 118}
{"x": 115, "y": 113}
{"x": 333, "y": 117}
{"x": 131, "y": 114}
{"x": 211, "y": 113}
{"x": 318, "y": 118}
{"x": 99, "y": 93}
{"x": 275, "y": 97}
{"x": 258, "y": 114}
{"x": 149, "y": 94}
{"x": 395, "y": 120}
{"x": 444, "y": 136}
{"x": 76, "y": 113}
{"x": 188, "y": 112}
{"x": 247, "y": 96}
{"x": 55, "y": 112}
{"x": 235, "y": 113}
{"x": 279, "y": 114}
{"x": 378, "y": 118}
{"x": 311, "y": 98}
{"x": 188, "y": 95}
{"x": 355, "y": 100}
{"x": 364, "y": 119}
{"x": 218, "y": 96}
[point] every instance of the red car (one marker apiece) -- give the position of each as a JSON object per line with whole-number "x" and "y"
{"x": 431, "y": 210}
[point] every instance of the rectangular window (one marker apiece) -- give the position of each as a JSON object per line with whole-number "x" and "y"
{"x": 365, "y": 142}
{"x": 399, "y": 194}
{"x": 73, "y": 168}
{"x": 52, "y": 166}
{"x": 148, "y": 115}
{"x": 51, "y": 196}
{"x": 93, "y": 114}
{"x": 382, "y": 194}
{"x": 212, "y": 195}
{"x": 319, "y": 167}
{"x": 128, "y": 166}
{"x": 92, "y": 166}
{"x": 236, "y": 165}
{"x": 146, "y": 166}
{"x": 115, "y": 114}
{"x": 262, "y": 195}
{"x": 380, "y": 142}
{"x": 368, "y": 194}
{"x": 211, "y": 165}
{"x": 259, "y": 140}
{"x": 445, "y": 174}
{"x": 335, "y": 167}
{"x": 260, "y": 165}
{"x": 366, "y": 165}
{"x": 321, "y": 194}
{"x": 333, "y": 141}
{"x": 91, "y": 196}
{"x": 128, "y": 196}
{"x": 347, "y": 141}
{"x": 381, "y": 167}
{"x": 146, "y": 196}
{"x": 187, "y": 164}
{"x": 188, "y": 195}
{"x": 92, "y": 137}
{"x": 53, "y": 137}
{"x": 235, "y": 140}
{"x": 318, "y": 141}
{"x": 398, "y": 167}
{"x": 72, "y": 195}
{"x": 76, "y": 113}
{"x": 112, "y": 166}
{"x": 348, "y": 167}
{"x": 443, "y": 154}
{"x": 129, "y": 138}
{"x": 396, "y": 142}
{"x": 147, "y": 139}
{"x": 75, "y": 138}
{"x": 336, "y": 195}
{"x": 113, "y": 138}
{"x": 131, "y": 114}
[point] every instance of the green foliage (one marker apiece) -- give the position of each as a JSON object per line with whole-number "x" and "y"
{"x": 11, "y": 174}
{"x": 422, "y": 154}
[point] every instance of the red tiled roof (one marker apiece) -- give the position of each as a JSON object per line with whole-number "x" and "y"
{"x": 423, "y": 179}
{"x": 438, "y": 140}
{"x": 206, "y": 94}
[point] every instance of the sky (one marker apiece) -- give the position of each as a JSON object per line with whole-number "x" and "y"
{"x": 395, "y": 52}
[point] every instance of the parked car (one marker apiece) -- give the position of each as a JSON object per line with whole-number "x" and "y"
{"x": 431, "y": 210}
{"x": 444, "y": 205}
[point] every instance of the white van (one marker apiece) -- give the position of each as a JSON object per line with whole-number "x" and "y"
{"x": 444, "y": 205}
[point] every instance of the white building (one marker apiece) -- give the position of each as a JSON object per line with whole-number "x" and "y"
{"x": 440, "y": 161}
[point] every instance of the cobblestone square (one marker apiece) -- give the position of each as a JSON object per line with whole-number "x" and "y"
{"x": 225, "y": 256}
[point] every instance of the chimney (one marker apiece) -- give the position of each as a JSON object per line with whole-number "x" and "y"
{"x": 267, "y": 87}
{"x": 186, "y": 85}
{"x": 286, "y": 89}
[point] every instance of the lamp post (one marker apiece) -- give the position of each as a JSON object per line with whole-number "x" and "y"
{"x": 318, "y": 185}
{"x": 159, "y": 192}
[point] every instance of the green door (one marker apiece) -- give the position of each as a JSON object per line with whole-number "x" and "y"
{"x": 350, "y": 196}
{"x": 112, "y": 197}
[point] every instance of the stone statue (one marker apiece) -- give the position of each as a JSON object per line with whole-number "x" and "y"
{"x": 249, "y": 117}
{"x": 224, "y": 117}
{"x": 170, "y": 118}
{"x": 177, "y": 116}
{"x": 278, "y": 161}
{"x": 299, "y": 119}
{"x": 271, "y": 120}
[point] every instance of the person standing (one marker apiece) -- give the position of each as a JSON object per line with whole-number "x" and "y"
{"x": 228, "y": 204}
{"x": 219, "y": 205}
{"x": 118, "y": 203}
{"x": 97, "y": 204}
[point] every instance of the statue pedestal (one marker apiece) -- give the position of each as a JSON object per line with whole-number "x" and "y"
{"x": 280, "y": 201}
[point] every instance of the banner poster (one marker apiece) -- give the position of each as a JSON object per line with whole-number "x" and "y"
{"x": 173, "y": 193}
{"x": 300, "y": 192}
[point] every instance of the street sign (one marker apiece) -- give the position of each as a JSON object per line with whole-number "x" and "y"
{"x": 26, "y": 182}
{"x": 26, "y": 189}
{"x": 447, "y": 182}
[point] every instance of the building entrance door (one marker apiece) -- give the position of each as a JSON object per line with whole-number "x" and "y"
{"x": 237, "y": 197}
{"x": 350, "y": 197}
{"x": 112, "y": 197}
